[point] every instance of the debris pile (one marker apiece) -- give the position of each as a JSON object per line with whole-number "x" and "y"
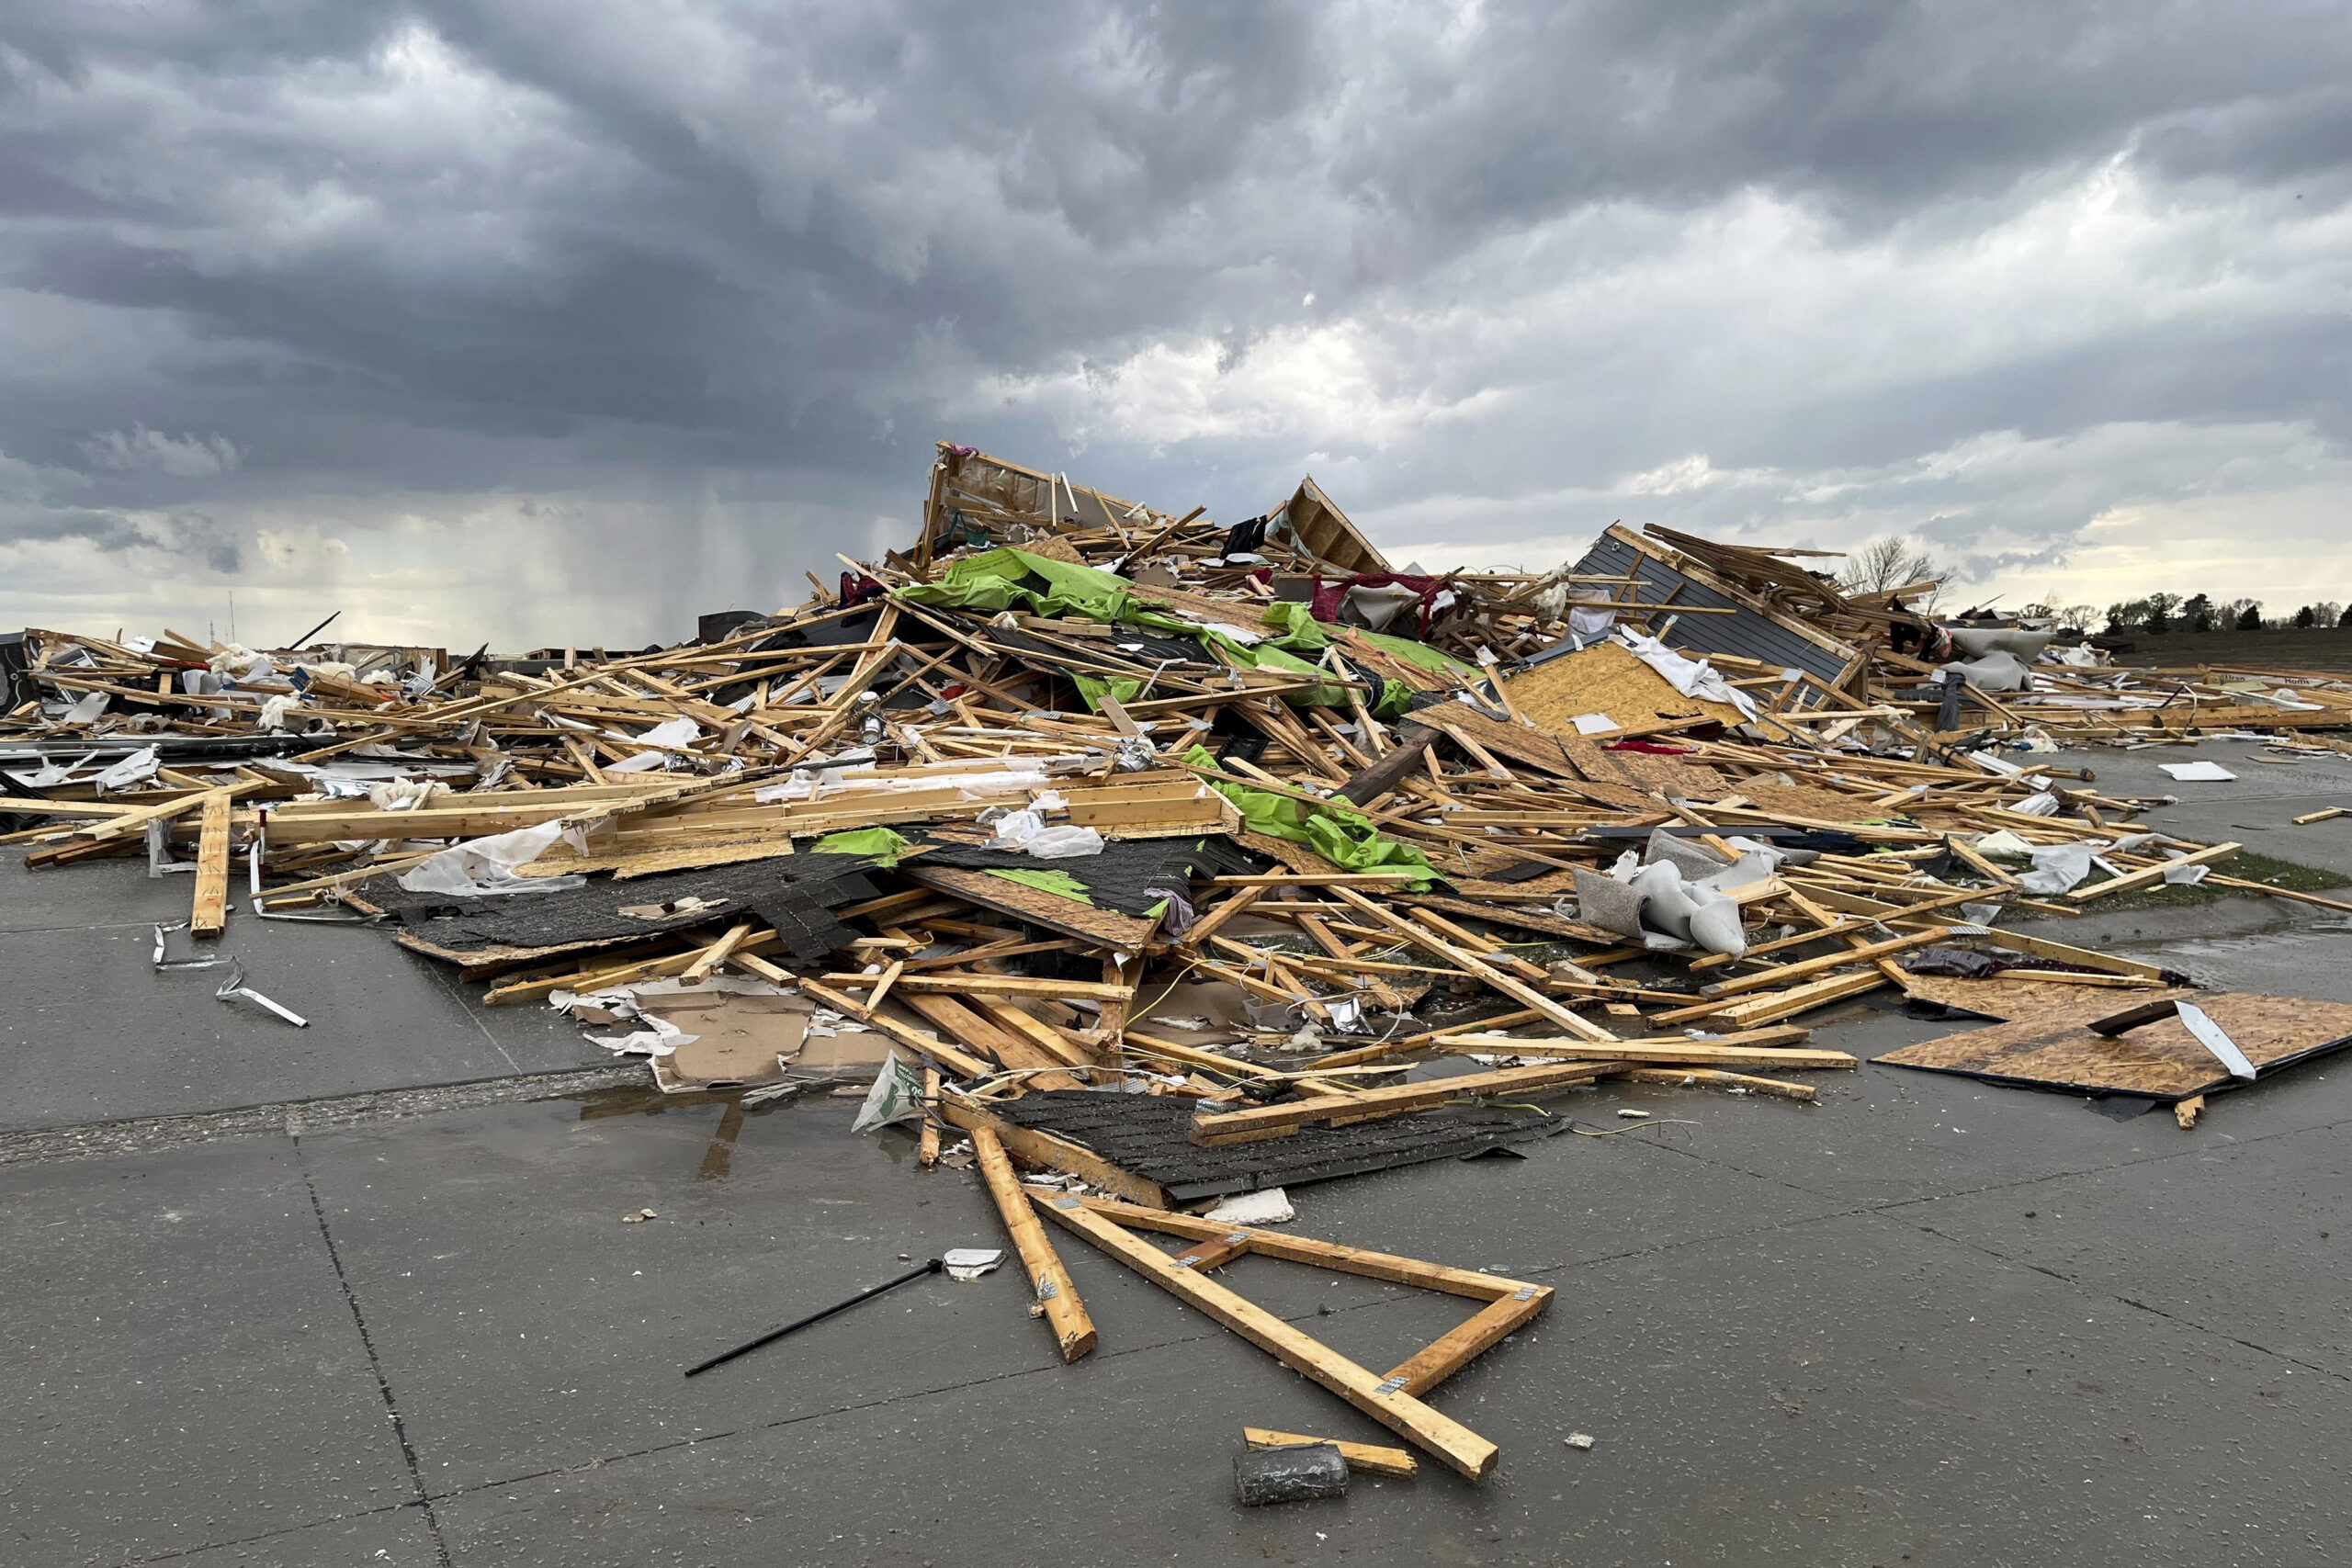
{"x": 1181, "y": 861}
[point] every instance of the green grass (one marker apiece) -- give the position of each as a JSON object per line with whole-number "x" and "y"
{"x": 2247, "y": 865}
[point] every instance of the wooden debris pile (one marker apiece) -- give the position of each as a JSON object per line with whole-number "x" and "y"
{"x": 1334, "y": 860}
{"x": 1861, "y": 669}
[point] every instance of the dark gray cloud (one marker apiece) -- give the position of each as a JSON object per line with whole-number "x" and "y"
{"x": 651, "y": 306}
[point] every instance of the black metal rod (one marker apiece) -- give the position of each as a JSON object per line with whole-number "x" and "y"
{"x": 933, "y": 1266}
{"x": 305, "y": 639}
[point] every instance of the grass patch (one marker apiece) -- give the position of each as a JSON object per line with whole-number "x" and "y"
{"x": 2245, "y": 865}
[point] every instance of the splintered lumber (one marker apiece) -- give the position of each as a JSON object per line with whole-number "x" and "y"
{"x": 1783, "y": 973}
{"x": 1384, "y": 1399}
{"x": 1772, "y": 1005}
{"x": 961, "y": 1063}
{"x": 89, "y": 837}
{"x": 539, "y": 989}
{"x": 1688, "y": 1075}
{"x": 993, "y": 986}
{"x": 954, "y": 1020}
{"x": 2154, "y": 873}
{"x": 1073, "y": 1330}
{"x": 209, "y": 915}
{"x": 1654, "y": 1053}
{"x": 1050, "y": 1151}
{"x": 711, "y": 957}
{"x": 2131, "y": 1018}
{"x": 1217, "y": 1130}
{"x": 1370, "y": 1458}
{"x": 1516, "y": 989}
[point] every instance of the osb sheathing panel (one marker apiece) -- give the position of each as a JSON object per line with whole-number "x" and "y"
{"x": 1692, "y": 781}
{"x": 2162, "y": 1060}
{"x": 1608, "y": 679}
{"x": 1514, "y": 742}
{"x": 1808, "y": 800}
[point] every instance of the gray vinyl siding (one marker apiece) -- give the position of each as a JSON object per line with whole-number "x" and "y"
{"x": 1744, "y": 636}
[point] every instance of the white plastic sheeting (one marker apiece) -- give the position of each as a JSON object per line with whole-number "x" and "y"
{"x": 480, "y": 867}
{"x": 1692, "y": 677}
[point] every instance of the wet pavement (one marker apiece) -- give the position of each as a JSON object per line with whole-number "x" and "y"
{"x": 1928, "y": 1321}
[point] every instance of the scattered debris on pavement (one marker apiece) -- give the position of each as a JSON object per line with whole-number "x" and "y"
{"x": 1151, "y": 862}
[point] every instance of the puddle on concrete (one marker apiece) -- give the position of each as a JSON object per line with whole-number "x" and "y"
{"x": 897, "y": 1144}
{"x": 2261, "y": 941}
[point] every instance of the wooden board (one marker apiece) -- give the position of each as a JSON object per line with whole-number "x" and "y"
{"x": 2161, "y": 1060}
{"x": 210, "y": 913}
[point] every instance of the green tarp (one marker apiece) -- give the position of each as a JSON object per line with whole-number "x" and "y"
{"x": 997, "y": 581}
{"x": 881, "y": 844}
{"x": 1059, "y": 882}
{"x": 1345, "y": 837}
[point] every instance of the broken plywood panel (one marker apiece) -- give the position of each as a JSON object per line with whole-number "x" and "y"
{"x": 1607, "y": 679}
{"x": 2161, "y": 1060}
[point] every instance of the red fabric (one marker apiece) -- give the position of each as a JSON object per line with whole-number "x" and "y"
{"x": 1649, "y": 747}
{"x": 1325, "y": 605}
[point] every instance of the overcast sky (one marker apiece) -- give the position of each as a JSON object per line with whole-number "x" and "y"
{"x": 549, "y": 320}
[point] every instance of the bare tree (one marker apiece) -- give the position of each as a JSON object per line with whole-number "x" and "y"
{"x": 1889, "y": 561}
{"x": 2077, "y": 617}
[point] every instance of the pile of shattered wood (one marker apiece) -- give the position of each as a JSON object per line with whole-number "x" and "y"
{"x": 1187, "y": 859}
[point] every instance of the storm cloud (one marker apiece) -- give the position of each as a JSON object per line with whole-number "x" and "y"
{"x": 556, "y": 322}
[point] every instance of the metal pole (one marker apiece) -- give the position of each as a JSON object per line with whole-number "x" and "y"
{"x": 933, "y": 1266}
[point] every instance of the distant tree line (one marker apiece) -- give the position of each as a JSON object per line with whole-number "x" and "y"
{"x": 1903, "y": 565}
{"x": 2161, "y": 612}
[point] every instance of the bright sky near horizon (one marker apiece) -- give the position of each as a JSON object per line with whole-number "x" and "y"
{"x": 554, "y": 322}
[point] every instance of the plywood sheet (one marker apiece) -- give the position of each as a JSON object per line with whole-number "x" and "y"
{"x": 1808, "y": 800}
{"x": 2014, "y": 994}
{"x": 1671, "y": 775}
{"x": 1609, "y": 678}
{"x": 2161, "y": 1060}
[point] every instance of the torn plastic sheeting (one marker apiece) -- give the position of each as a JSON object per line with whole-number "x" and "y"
{"x": 2016, "y": 642}
{"x": 882, "y": 845}
{"x": 134, "y": 769}
{"x": 1341, "y": 836}
{"x": 1692, "y": 677}
{"x": 481, "y": 868}
{"x": 1060, "y": 883}
{"x": 2058, "y": 868}
{"x": 1994, "y": 672}
{"x": 1064, "y": 843}
{"x": 676, "y": 732}
{"x": 897, "y": 1096}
